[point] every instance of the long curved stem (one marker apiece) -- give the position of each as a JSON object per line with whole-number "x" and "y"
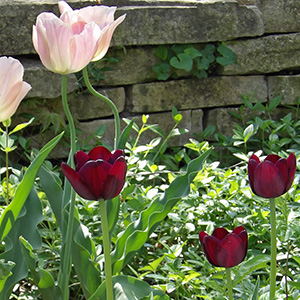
{"x": 67, "y": 261}
{"x": 107, "y": 101}
{"x": 229, "y": 283}
{"x": 273, "y": 249}
{"x": 106, "y": 247}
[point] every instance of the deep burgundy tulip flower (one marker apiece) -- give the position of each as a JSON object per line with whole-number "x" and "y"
{"x": 272, "y": 177}
{"x": 224, "y": 249}
{"x": 99, "y": 174}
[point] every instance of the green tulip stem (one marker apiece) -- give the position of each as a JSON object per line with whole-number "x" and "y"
{"x": 273, "y": 249}
{"x": 106, "y": 247}
{"x": 107, "y": 101}
{"x": 66, "y": 258}
{"x": 6, "y": 164}
{"x": 229, "y": 283}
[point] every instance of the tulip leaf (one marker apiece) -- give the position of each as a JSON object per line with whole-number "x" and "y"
{"x": 11, "y": 212}
{"x": 42, "y": 278}
{"x": 137, "y": 232}
{"x": 256, "y": 263}
{"x": 83, "y": 249}
{"x": 125, "y": 287}
{"x": 124, "y": 135}
{"x": 5, "y": 271}
{"x": 26, "y": 225}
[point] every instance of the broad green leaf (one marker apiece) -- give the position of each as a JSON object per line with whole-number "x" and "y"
{"x": 137, "y": 233}
{"x": 5, "y": 271}
{"x": 183, "y": 61}
{"x": 12, "y": 211}
{"x": 256, "y": 263}
{"x": 26, "y": 225}
{"x": 42, "y": 278}
{"x": 112, "y": 208}
{"x": 124, "y": 135}
{"x": 125, "y": 288}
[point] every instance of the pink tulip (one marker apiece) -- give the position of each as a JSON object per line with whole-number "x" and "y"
{"x": 102, "y": 15}
{"x": 12, "y": 87}
{"x": 65, "y": 48}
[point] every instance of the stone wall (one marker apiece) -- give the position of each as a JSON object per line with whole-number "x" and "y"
{"x": 264, "y": 34}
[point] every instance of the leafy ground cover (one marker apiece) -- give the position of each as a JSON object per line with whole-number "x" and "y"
{"x": 171, "y": 259}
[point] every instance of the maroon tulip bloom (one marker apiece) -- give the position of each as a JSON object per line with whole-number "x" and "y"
{"x": 224, "y": 249}
{"x": 272, "y": 177}
{"x": 98, "y": 174}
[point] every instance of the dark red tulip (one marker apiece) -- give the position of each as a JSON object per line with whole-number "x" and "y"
{"x": 224, "y": 249}
{"x": 99, "y": 174}
{"x": 273, "y": 176}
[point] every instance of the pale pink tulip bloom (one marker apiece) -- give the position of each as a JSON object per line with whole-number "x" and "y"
{"x": 12, "y": 87}
{"x": 102, "y": 15}
{"x": 64, "y": 48}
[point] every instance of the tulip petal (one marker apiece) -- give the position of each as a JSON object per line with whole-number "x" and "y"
{"x": 268, "y": 180}
{"x": 220, "y": 233}
{"x": 253, "y": 163}
{"x": 272, "y": 158}
{"x": 115, "y": 156}
{"x": 100, "y": 152}
{"x": 238, "y": 230}
{"x": 78, "y": 184}
{"x": 202, "y": 235}
{"x": 115, "y": 179}
{"x": 105, "y": 38}
{"x": 94, "y": 174}
{"x": 210, "y": 245}
{"x": 291, "y": 162}
{"x": 80, "y": 158}
{"x": 281, "y": 164}
{"x": 230, "y": 251}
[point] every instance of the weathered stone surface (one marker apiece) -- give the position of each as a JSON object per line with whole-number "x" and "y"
{"x": 208, "y": 21}
{"x": 280, "y": 15}
{"x": 45, "y": 84}
{"x": 265, "y": 55}
{"x": 144, "y": 25}
{"x": 223, "y": 121}
{"x": 195, "y": 93}
{"x": 287, "y": 86}
{"x": 135, "y": 66}
{"x": 83, "y": 106}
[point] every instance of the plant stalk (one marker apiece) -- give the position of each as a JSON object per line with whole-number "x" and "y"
{"x": 6, "y": 164}
{"x": 66, "y": 259}
{"x": 106, "y": 247}
{"x": 229, "y": 283}
{"x": 107, "y": 101}
{"x": 273, "y": 249}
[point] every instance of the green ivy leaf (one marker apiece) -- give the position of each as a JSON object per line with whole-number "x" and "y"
{"x": 161, "y": 52}
{"x": 183, "y": 61}
{"x": 228, "y": 56}
{"x": 162, "y": 71}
